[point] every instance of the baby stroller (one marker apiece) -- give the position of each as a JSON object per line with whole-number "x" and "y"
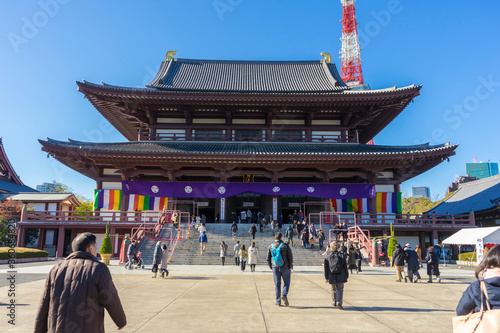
{"x": 137, "y": 262}
{"x": 383, "y": 260}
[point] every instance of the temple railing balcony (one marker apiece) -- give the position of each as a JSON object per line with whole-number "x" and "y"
{"x": 403, "y": 221}
{"x": 276, "y": 137}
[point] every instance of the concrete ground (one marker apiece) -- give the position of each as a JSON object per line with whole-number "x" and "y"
{"x": 223, "y": 299}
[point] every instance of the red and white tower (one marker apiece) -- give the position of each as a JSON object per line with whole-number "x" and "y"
{"x": 351, "y": 51}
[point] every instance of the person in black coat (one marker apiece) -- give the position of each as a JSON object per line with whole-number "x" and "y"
{"x": 412, "y": 263}
{"x": 398, "y": 260}
{"x": 333, "y": 261}
{"x": 432, "y": 264}
{"x": 471, "y": 298}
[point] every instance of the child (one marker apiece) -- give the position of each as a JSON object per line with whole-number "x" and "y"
{"x": 311, "y": 242}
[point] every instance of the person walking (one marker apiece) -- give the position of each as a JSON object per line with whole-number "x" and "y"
{"x": 489, "y": 269}
{"x": 243, "y": 216}
{"x": 358, "y": 255}
{"x": 289, "y": 235}
{"x": 300, "y": 227}
{"x": 234, "y": 229}
{"x": 351, "y": 252}
{"x": 253, "y": 255}
{"x": 157, "y": 255}
{"x": 130, "y": 255}
{"x": 67, "y": 302}
{"x": 336, "y": 274}
{"x": 243, "y": 254}
{"x": 321, "y": 239}
{"x": 203, "y": 239}
{"x": 164, "y": 262}
{"x": 312, "y": 230}
{"x": 253, "y": 230}
{"x": 305, "y": 239}
{"x": 398, "y": 260}
{"x": 236, "y": 251}
{"x": 202, "y": 228}
{"x": 432, "y": 264}
{"x": 344, "y": 231}
{"x": 223, "y": 252}
{"x": 412, "y": 264}
{"x": 280, "y": 260}
{"x": 418, "y": 250}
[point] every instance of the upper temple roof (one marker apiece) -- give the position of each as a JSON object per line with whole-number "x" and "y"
{"x": 248, "y": 76}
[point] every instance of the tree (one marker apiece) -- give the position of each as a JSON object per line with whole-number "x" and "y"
{"x": 11, "y": 209}
{"x": 61, "y": 188}
{"x": 87, "y": 204}
{"x": 392, "y": 246}
{"x": 418, "y": 205}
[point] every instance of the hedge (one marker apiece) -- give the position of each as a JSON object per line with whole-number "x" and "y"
{"x": 22, "y": 252}
{"x": 467, "y": 256}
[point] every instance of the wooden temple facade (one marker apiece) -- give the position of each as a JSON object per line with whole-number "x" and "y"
{"x": 280, "y": 122}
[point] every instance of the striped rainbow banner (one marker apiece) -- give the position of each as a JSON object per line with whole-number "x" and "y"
{"x": 141, "y": 202}
{"x": 389, "y": 202}
{"x": 386, "y": 203}
{"x": 350, "y": 205}
{"x": 107, "y": 199}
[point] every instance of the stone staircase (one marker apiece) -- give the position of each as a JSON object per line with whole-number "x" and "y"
{"x": 187, "y": 251}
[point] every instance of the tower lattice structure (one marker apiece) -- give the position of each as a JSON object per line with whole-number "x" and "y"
{"x": 350, "y": 53}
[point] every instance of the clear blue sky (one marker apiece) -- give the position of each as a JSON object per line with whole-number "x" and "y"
{"x": 450, "y": 47}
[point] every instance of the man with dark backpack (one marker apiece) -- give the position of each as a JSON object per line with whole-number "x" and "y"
{"x": 234, "y": 229}
{"x": 336, "y": 273}
{"x": 280, "y": 260}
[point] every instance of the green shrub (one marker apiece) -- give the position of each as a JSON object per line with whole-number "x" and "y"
{"x": 22, "y": 252}
{"x": 391, "y": 247}
{"x": 467, "y": 256}
{"x": 106, "y": 247}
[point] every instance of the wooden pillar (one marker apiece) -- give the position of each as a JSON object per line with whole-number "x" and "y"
{"x": 434, "y": 237}
{"x": 60, "y": 242}
{"x": 20, "y": 236}
{"x": 113, "y": 237}
{"x": 41, "y": 238}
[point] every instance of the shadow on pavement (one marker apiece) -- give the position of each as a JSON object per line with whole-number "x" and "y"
{"x": 380, "y": 309}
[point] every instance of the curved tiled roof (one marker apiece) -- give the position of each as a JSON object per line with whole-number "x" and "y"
{"x": 477, "y": 195}
{"x": 245, "y": 148}
{"x": 248, "y": 76}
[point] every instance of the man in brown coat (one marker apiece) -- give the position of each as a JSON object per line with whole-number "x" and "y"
{"x": 76, "y": 292}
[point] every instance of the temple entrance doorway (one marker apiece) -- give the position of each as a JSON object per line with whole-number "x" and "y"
{"x": 289, "y": 205}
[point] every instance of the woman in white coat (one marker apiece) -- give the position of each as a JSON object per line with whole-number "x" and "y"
{"x": 253, "y": 255}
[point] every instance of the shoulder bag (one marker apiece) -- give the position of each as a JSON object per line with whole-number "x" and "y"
{"x": 485, "y": 321}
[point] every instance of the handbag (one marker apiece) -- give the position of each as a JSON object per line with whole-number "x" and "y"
{"x": 485, "y": 321}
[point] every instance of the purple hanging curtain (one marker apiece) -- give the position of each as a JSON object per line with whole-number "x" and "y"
{"x": 227, "y": 190}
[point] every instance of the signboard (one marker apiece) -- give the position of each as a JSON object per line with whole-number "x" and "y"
{"x": 222, "y": 209}
{"x": 203, "y": 204}
{"x": 479, "y": 250}
{"x": 275, "y": 209}
{"x": 248, "y": 204}
{"x": 293, "y": 204}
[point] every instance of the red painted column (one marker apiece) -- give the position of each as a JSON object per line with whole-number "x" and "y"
{"x": 60, "y": 243}
{"x": 113, "y": 231}
{"x": 20, "y": 236}
{"x": 41, "y": 238}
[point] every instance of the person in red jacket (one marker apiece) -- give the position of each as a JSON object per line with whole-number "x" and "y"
{"x": 76, "y": 292}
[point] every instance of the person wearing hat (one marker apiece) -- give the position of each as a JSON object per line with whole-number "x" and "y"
{"x": 412, "y": 263}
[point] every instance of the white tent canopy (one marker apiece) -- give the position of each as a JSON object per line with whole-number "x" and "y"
{"x": 470, "y": 236}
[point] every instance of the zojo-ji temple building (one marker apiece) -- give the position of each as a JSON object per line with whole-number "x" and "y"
{"x": 269, "y": 136}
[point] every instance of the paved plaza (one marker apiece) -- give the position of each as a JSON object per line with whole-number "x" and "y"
{"x": 223, "y": 299}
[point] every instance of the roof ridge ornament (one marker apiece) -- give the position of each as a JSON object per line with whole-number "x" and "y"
{"x": 327, "y": 56}
{"x": 170, "y": 55}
